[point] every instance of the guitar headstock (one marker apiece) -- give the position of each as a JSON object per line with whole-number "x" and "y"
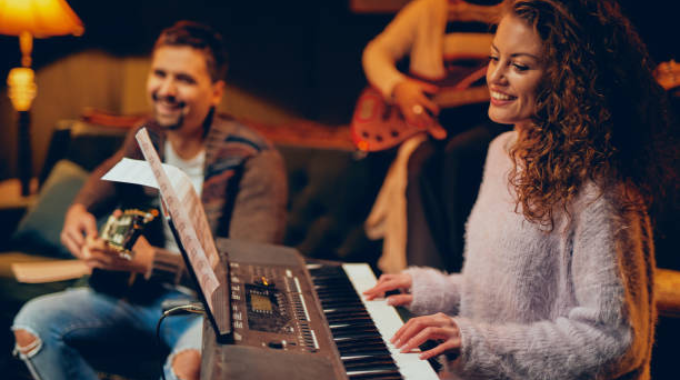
{"x": 668, "y": 74}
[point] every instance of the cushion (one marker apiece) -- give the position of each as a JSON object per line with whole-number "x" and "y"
{"x": 38, "y": 231}
{"x": 331, "y": 192}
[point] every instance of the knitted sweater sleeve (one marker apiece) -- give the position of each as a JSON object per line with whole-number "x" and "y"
{"x": 605, "y": 332}
{"x": 434, "y": 291}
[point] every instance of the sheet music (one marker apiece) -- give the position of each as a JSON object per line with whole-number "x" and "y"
{"x": 183, "y": 205}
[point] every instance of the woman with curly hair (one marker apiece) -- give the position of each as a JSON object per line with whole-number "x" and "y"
{"x": 558, "y": 275}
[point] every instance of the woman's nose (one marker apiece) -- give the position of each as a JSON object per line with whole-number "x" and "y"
{"x": 495, "y": 73}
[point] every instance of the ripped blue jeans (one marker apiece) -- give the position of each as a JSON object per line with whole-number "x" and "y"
{"x": 62, "y": 320}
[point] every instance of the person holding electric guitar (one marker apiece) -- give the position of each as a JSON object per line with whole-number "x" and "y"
{"x": 241, "y": 179}
{"x": 436, "y": 114}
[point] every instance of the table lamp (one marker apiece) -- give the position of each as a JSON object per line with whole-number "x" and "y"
{"x": 28, "y": 19}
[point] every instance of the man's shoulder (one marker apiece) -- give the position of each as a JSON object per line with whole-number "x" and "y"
{"x": 228, "y": 130}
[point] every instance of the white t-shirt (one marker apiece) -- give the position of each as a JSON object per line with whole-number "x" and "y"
{"x": 193, "y": 168}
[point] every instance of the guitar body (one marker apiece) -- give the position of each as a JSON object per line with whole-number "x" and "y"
{"x": 377, "y": 125}
{"x": 668, "y": 75}
{"x": 121, "y": 231}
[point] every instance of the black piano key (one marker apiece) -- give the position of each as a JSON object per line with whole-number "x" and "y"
{"x": 362, "y": 351}
{"x": 326, "y": 305}
{"x": 347, "y": 312}
{"x": 346, "y": 309}
{"x": 370, "y": 364}
{"x": 353, "y": 334}
{"x": 434, "y": 363}
{"x": 352, "y": 342}
{"x": 348, "y": 318}
{"x": 355, "y": 327}
{"x": 355, "y": 349}
{"x": 377, "y": 375}
{"x": 352, "y": 327}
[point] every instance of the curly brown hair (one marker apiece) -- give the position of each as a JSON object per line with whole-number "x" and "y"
{"x": 599, "y": 110}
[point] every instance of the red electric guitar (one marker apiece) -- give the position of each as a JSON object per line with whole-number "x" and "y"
{"x": 668, "y": 74}
{"x": 377, "y": 125}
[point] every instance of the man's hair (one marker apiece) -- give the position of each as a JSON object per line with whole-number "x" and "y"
{"x": 200, "y": 37}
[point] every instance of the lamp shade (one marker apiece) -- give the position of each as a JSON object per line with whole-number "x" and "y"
{"x": 40, "y": 18}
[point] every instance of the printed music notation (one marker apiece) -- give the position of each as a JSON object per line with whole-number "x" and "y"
{"x": 182, "y": 204}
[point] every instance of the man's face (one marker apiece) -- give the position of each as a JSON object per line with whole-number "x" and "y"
{"x": 180, "y": 89}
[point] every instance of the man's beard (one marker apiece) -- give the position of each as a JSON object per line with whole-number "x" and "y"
{"x": 177, "y": 124}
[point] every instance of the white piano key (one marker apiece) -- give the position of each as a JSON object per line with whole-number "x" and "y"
{"x": 387, "y": 321}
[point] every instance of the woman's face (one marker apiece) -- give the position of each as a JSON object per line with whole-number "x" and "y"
{"x": 515, "y": 70}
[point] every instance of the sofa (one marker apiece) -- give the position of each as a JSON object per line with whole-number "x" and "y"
{"x": 331, "y": 190}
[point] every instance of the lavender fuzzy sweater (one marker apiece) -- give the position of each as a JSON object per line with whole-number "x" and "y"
{"x": 576, "y": 303}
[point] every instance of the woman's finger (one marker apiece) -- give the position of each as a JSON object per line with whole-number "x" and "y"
{"x": 422, "y": 336}
{"x": 387, "y": 283}
{"x": 451, "y": 344}
{"x": 379, "y": 290}
{"x": 408, "y": 330}
{"x": 400, "y": 299}
{"x": 430, "y": 105}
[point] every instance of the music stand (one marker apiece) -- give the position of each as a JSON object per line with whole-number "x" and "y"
{"x": 220, "y": 314}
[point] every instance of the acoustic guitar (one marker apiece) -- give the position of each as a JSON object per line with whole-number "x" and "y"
{"x": 121, "y": 231}
{"x": 377, "y": 125}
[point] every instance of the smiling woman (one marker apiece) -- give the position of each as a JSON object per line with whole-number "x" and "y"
{"x": 515, "y": 70}
{"x": 558, "y": 275}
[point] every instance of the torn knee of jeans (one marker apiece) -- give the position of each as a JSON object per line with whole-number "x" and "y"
{"x": 186, "y": 364}
{"x": 27, "y": 342}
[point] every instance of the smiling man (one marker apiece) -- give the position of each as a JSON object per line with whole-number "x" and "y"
{"x": 243, "y": 189}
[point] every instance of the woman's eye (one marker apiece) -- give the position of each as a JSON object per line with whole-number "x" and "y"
{"x": 493, "y": 58}
{"x": 520, "y": 67}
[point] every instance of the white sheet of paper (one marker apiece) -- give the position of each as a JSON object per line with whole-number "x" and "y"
{"x": 137, "y": 172}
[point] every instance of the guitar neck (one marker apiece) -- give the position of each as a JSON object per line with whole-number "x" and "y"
{"x": 449, "y": 98}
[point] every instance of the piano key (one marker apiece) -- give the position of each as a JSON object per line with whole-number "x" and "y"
{"x": 387, "y": 321}
{"x": 375, "y": 375}
{"x": 383, "y": 362}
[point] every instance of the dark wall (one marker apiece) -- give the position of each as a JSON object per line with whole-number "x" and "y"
{"x": 303, "y": 55}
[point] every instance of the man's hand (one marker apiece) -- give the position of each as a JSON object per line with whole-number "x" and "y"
{"x": 438, "y": 327}
{"x": 97, "y": 253}
{"x": 388, "y": 282}
{"x": 411, "y": 96}
{"x": 78, "y": 224}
